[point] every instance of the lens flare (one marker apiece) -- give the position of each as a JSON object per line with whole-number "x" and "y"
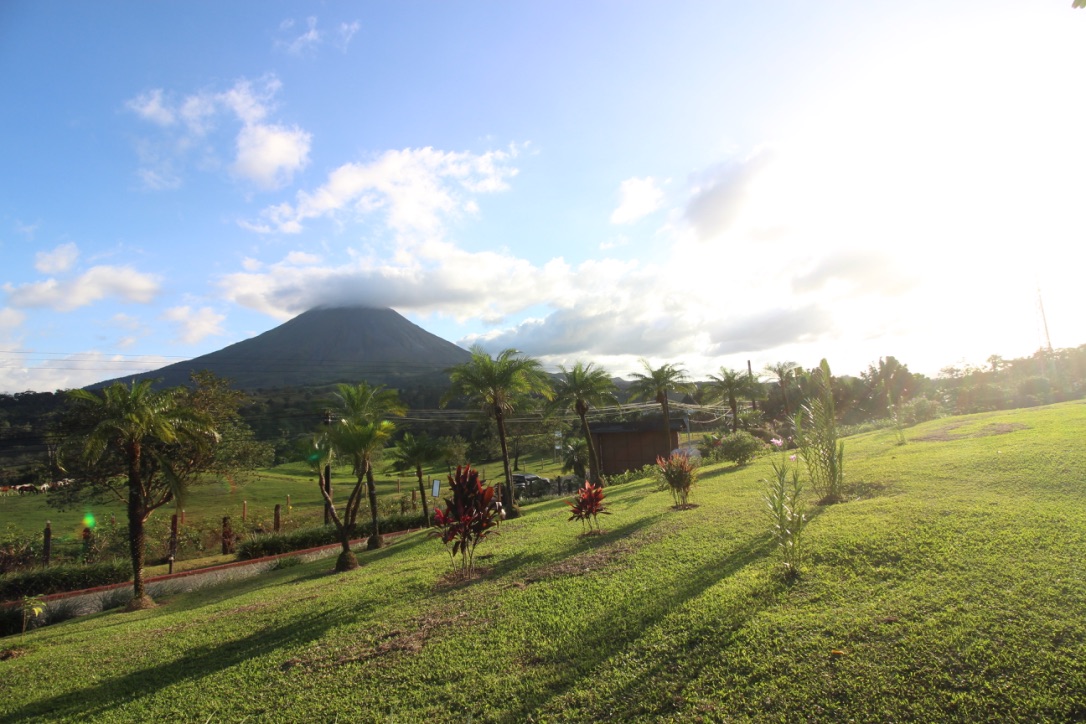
{"x": 89, "y": 521}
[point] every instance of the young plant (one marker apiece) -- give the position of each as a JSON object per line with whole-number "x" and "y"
{"x": 33, "y": 606}
{"x": 679, "y": 472}
{"x": 587, "y": 506}
{"x": 786, "y": 511}
{"x": 816, "y": 436}
{"x": 469, "y": 517}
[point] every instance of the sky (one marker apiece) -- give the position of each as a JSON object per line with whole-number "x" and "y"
{"x": 695, "y": 183}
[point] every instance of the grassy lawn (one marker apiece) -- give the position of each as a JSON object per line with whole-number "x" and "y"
{"x": 259, "y": 493}
{"x": 951, "y": 587}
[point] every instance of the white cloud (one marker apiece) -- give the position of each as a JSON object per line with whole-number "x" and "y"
{"x": 150, "y": 107}
{"x": 308, "y": 40}
{"x": 58, "y": 260}
{"x": 10, "y": 319}
{"x": 639, "y": 197}
{"x": 269, "y": 155}
{"x": 99, "y": 282}
{"x": 195, "y": 324}
{"x": 74, "y": 370}
{"x": 415, "y": 188}
{"x": 346, "y": 32}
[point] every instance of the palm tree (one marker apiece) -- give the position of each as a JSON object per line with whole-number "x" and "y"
{"x": 138, "y": 427}
{"x": 361, "y": 442}
{"x": 498, "y": 385}
{"x": 578, "y": 389}
{"x": 364, "y": 405}
{"x": 654, "y": 385}
{"x": 411, "y": 453}
{"x": 728, "y": 387}
{"x": 784, "y": 372}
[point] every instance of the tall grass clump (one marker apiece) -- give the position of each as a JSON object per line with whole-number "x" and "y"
{"x": 817, "y": 439}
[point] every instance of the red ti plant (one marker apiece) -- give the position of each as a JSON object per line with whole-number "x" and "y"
{"x": 469, "y": 517}
{"x": 588, "y": 505}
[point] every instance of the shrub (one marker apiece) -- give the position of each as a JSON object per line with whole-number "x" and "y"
{"x": 587, "y": 506}
{"x": 260, "y": 545}
{"x": 740, "y": 447}
{"x": 647, "y": 471}
{"x": 679, "y": 472}
{"x": 920, "y": 410}
{"x": 17, "y": 549}
{"x": 64, "y": 577}
{"x": 816, "y": 435}
{"x": 468, "y": 517}
{"x": 786, "y": 512}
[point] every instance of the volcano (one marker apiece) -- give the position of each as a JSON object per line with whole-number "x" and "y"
{"x": 322, "y": 347}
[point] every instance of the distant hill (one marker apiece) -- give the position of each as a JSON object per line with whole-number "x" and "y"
{"x": 322, "y": 347}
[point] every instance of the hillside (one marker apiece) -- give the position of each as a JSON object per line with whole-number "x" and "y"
{"x": 949, "y": 588}
{"x": 325, "y": 346}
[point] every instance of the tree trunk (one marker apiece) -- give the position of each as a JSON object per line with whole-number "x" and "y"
{"x": 595, "y": 472}
{"x": 136, "y": 536}
{"x": 422, "y": 494}
{"x": 346, "y": 560}
{"x": 375, "y": 540}
{"x": 667, "y": 424}
{"x": 734, "y": 404}
{"x": 512, "y": 509}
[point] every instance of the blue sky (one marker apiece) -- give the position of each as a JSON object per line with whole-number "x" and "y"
{"x": 701, "y": 183}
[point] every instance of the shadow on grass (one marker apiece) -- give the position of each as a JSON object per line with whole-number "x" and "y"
{"x": 602, "y": 640}
{"x": 92, "y": 702}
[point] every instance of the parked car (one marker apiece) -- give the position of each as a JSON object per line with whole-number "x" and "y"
{"x": 527, "y": 484}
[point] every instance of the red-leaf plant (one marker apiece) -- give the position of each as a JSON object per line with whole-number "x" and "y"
{"x": 587, "y": 506}
{"x": 469, "y": 516}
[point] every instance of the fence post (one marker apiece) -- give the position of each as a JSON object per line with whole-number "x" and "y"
{"x": 173, "y": 540}
{"x": 276, "y": 524}
{"x": 182, "y": 516}
{"x": 244, "y": 509}
{"x": 227, "y": 536}
{"x": 47, "y": 543}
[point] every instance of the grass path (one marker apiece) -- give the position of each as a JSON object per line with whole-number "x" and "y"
{"x": 951, "y": 588}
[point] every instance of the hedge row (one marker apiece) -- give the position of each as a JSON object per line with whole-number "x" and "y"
{"x": 63, "y": 577}
{"x": 273, "y": 544}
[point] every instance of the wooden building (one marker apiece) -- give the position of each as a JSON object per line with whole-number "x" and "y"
{"x": 626, "y": 446}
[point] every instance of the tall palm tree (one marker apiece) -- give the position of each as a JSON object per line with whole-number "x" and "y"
{"x": 654, "y": 385}
{"x": 784, "y": 372}
{"x": 361, "y": 442}
{"x": 728, "y": 387}
{"x": 139, "y": 428}
{"x": 498, "y": 385}
{"x": 412, "y": 453}
{"x": 364, "y": 405}
{"x": 578, "y": 389}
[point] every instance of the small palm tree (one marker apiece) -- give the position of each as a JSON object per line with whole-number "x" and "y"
{"x": 784, "y": 372}
{"x": 140, "y": 426}
{"x": 364, "y": 405}
{"x": 655, "y": 385}
{"x": 361, "y": 442}
{"x": 578, "y": 389}
{"x": 412, "y": 453}
{"x": 499, "y": 385}
{"x": 728, "y": 387}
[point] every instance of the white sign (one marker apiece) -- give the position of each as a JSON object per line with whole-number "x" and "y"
{"x": 437, "y": 487}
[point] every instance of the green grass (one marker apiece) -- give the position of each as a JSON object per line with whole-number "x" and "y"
{"x": 260, "y": 493}
{"x": 951, "y": 587}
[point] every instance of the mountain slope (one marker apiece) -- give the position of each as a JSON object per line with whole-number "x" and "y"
{"x": 324, "y": 346}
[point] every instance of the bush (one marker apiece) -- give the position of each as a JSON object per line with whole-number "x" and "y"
{"x": 17, "y": 549}
{"x": 920, "y": 410}
{"x": 647, "y": 471}
{"x": 587, "y": 506}
{"x": 739, "y": 447}
{"x": 679, "y": 472}
{"x": 259, "y": 545}
{"x": 468, "y": 518}
{"x": 64, "y": 577}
